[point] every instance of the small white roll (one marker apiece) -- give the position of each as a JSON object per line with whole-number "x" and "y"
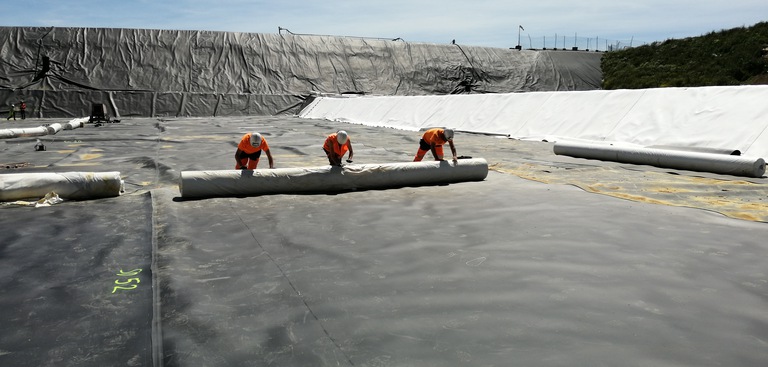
{"x": 53, "y": 128}
{"x": 691, "y": 161}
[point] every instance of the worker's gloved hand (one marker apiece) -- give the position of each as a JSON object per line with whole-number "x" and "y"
{"x": 243, "y": 167}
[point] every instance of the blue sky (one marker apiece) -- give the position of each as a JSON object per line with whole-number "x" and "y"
{"x": 492, "y": 23}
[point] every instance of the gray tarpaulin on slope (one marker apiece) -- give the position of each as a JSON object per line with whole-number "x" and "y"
{"x": 328, "y": 179}
{"x": 692, "y": 161}
{"x": 140, "y": 72}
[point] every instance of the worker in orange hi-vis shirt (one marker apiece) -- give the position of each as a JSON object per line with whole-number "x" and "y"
{"x": 249, "y": 150}
{"x": 336, "y": 145}
{"x": 433, "y": 140}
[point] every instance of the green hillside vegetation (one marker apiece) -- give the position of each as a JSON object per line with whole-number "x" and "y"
{"x": 729, "y": 57}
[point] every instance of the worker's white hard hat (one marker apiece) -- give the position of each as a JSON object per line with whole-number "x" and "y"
{"x": 255, "y": 139}
{"x": 448, "y": 134}
{"x": 342, "y": 137}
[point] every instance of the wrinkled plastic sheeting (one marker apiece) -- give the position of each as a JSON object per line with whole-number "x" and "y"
{"x": 685, "y": 160}
{"x": 329, "y": 179}
{"x": 270, "y": 64}
{"x": 230, "y": 73}
{"x": 68, "y": 185}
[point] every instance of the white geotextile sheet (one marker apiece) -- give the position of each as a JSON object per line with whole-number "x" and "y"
{"x": 328, "y": 178}
{"x": 727, "y": 118}
{"x": 692, "y": 161}
{"x": 68, "y": 185}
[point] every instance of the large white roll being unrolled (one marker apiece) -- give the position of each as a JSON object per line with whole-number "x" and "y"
{"x": 68, "y": 185}
{"x": 328, "y": 179}
{"x": 691, "y": 161}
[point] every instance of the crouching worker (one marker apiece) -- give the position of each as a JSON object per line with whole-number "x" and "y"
{"x": 336, "y": 145}
{"x": 433, "y": 141}
{"x": 249, "y": 150}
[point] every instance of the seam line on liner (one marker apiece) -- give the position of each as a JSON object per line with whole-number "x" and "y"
{"x": 295, "y": 290}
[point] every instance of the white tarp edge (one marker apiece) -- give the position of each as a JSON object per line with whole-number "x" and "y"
{"x": 68, "y": 185}
{"x": 327, "y": 179}
{"x": 691, "y": 161}
{"x": 722, "y": 118}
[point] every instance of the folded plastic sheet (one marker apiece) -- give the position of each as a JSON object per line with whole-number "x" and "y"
{"x": 691, "y": 161}
{"x": 68, "y": 185}
{"x": 49, "y": 199}
{"x": 329, "y": 179}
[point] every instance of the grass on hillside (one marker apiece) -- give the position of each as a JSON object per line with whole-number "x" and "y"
{"x": 729, "y": 57}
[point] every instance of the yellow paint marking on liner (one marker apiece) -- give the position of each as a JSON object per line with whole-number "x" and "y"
{"x": 682, "y": 191}
{"x": 89, "y": 156}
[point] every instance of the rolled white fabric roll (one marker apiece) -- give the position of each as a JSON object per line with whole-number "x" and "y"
{"x": 326, "y": 179}
{"x": 68, "y": 185}
{"x": 30, "y": 131}
{"x": 7, "y": 134}
{"x": 75, "y": 123}
{"x": 691, "y": 161}
{"x": 53, "y": 128}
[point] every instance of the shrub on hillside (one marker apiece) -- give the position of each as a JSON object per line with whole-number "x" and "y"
{"x": 728, "y": 57}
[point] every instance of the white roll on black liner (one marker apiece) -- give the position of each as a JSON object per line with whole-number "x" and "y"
{"x": 684, "y": 160}
{"x": 328, "y": 179}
